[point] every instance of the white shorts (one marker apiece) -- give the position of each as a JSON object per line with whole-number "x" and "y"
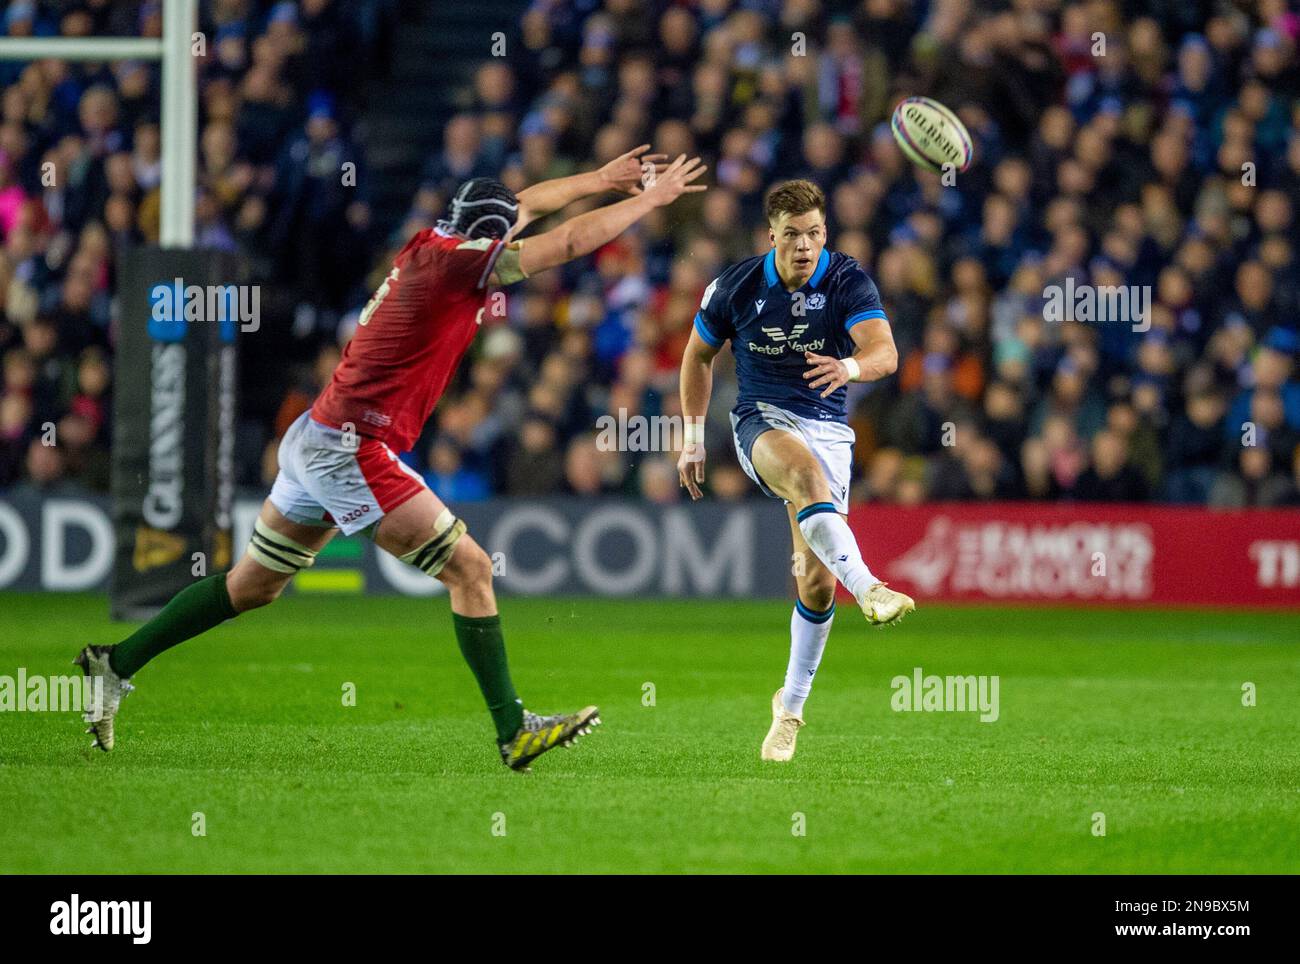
{"x": 324, "y": 481}
{"x": 831, "y": 444}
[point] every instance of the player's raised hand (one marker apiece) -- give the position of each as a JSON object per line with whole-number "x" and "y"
{"x": 690, "y": 468}
{"x": 676, "y": 180}
{"x": 629, "y": 171}
{"x": 827, "y": 371}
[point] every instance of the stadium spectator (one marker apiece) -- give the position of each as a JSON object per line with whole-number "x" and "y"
{"x": 657, "y": 480}
{"x": 1193, "y": 448}
{"x": 535, "y": 465}
{"x": 1111, "y": 477}
{"x": 322, "y": 215}
{"x": 450, "y": 479}
{"x": 1255, "y": 484}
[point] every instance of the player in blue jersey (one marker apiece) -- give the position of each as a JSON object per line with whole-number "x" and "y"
{"x": 803, "y": 322}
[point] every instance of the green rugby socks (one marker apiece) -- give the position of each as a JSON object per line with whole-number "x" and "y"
{"x": 206, "y": 604}
{"x": 484, "y": 649}
{"x": 192, "y": 611}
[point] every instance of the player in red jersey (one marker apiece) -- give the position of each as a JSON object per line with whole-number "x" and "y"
{"x": 339, "y": 466}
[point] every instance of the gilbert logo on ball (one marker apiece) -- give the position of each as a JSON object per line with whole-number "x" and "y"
{"x": 931, "y": 135}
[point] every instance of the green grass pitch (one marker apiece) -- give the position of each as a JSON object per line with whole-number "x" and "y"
{"x": 1136, "y": 715}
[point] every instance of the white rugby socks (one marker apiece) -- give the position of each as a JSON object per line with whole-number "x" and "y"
{"x": 808, "y": 631}
{"x": 831, "y": 540}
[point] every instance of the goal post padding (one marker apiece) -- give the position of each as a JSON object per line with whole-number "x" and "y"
{"x": 174, "y": 412}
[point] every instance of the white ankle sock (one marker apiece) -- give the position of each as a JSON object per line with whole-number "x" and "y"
{"x": 831, "y": 540}
{"x": 808, "y": 632}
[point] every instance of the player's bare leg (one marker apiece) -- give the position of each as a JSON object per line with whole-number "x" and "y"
{"x": 279, "y": 549}
{"x": 790, "y": 470}
{"x": 810, "y": 626}
{"x": 423, "y": 532}
{"x": 252, "y": 584}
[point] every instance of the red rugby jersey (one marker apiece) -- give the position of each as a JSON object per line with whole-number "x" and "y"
{"x": 411, "y": 336}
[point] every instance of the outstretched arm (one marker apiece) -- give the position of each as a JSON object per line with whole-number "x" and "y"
{"x": 623, "y": 174}
{"x": 587, "y": 232}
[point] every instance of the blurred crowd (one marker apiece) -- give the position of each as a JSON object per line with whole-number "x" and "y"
{"x": 80, "y": 174}
{"x": 1116, "y": 144}
{"x": 1168, "y": 158}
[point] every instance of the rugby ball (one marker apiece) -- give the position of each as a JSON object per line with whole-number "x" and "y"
{"x": 931, "y": 135}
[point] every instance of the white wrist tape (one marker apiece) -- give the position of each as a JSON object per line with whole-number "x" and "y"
{"x": 855, "y": 370}
{"x": 694, "y": 431}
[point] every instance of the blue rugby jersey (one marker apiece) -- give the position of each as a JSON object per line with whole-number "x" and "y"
{"x": 748, "y": 305}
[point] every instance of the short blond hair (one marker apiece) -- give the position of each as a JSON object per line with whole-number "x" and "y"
{"x": 794, "y": 198}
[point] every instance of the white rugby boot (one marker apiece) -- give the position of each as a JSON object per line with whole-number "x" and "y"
{"x": 93, "y": 661}
{"x": 779, "y": 743}
{"x": 884, "y": 607}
